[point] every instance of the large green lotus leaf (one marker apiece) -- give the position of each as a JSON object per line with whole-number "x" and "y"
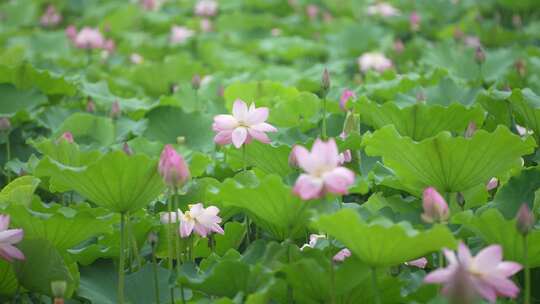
{"x": 311, "y": 279}
{"x": 65, "y": 153}
{"x": 267, "y": 158}
{"x": 497, "y": 106}
{"x": 8, "y": 280}
{"x": 450, "y": 164}
{"x": 526, "y": 106}
{"x": 64, "y": 229}
{"x": 381, "y": 242}
{"x": 289, "y": 49}
{"x": 419, "y": 121}
{"x": 166, "y": 124}
{"x": 89, "y": 129}
{"x": 103, "y": 97}
{"x": 518, "y": 190}
{"x": 493, "y": 228}
{"x": 231, "y": 239}
{"x": 117, "y": 181}
{"x": 43, "y": 264}
{"x": 14, "y": 100}
{"x": 20, "y": 191}
{"x": 25, "y": 76}
{"x": 263, "y": 93}
{"x": 268, "y": 201}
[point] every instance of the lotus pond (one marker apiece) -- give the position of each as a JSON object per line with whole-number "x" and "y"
{"x": 269, "y": 151}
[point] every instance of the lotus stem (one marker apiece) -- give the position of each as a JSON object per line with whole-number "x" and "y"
{"x": 527, "y": 271}
{"x": 121, "y": 266}
{"x": 8, "y": 156}
{"x": 323, "y": 131}
{"x": 170, "y": 245}
{"x": 154, "y": 270}
{"x": 244, "y": 157}
{"x": 377, "y": 295}
{"x": 332, "y": 282}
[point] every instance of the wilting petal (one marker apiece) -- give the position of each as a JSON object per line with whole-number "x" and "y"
{"x": 308, "y": 187}
{"x": 338, "y": 180}
{"x": 224, "y": 122}
{"x": 239, "y": 136}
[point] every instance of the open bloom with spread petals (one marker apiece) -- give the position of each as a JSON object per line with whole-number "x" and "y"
{"x": 342, "y": 255}
{"x": 382, "y": 9}
{"x": 487, "y": 273}
{"x": 420, "y": 263}
{"x": 435, "y": 207}
{"x": 89, "y": 38}
{"x": 206, "y": 8}
{"x": 322, "y": 171}
{"x": 374, "y": 61}
{"x": 244, "y": 125}
{"x": 345, "y": 97}
{"x": 180, "y": 34}
{"x": 9, "y": 237}
{"x": 201, "y": 220}
{"x": 173, "y": 168}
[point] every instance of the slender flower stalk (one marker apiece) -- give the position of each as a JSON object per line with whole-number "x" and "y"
{"x": 121, "y": 261}
{"x": 152, "y": 239}
{"x": 325, "y": 87}
{"x": 524, "y": 223}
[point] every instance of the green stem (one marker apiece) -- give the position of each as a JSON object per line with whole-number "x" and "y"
{"x": 244, "y": 157}
{"x": 154, "y": 269}
{"x": 170, "y": 245}
{"x": 527, "y": 299}
{"x": 8, "y": 156}
{"x": 375, "y": 287}
{"x": 121, "y": 258}
{"x": 135, "y": 247}
{"x": 332, "y": 282}
{"x": 323, "y": 131}
{"x": 290, "y": 295}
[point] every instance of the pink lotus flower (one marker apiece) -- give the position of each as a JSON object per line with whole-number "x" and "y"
{"x": 151, "y": 5}
{"x": 202, "y": 220}
{"x": 206, "y": 8}
{"x": 89, "y": 38}
{"x": 322, "y": 171}
{"x": 180, "y": 34}
{"x": 420, "y": 263}
{"x": 51, "y": 17}
{"x": 243, "y": 125}
{"x": 313, "y": 239}
{"x": 136, "y": 58}
{"x": 345, "y": 97}
{"x": 67, "y": 136}
{"x": 486, "y": 272}
{"x": 71, "y": 32}
{"x": 472, "y": 41}
{"x": 382, "y": 9}
{"x": 374, "y": 61}
{"x": 525, "y": 219}
{"x": 172, "y": 168}
{"x": 342, "y": 255}
{"x": 312, "y": 11}
{"x": 435, "y": 207}
{"x": 414, "y": 21}
{"x": 9, "y": 237}
{"x": 492, "y": 184}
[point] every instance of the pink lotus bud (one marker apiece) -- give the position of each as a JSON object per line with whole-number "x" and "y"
{"x": 206, "y": 25}
{"x": 5, "y": 124}
{"x": 345, "y": 97}
{"x": 342, "y": 255}
{"x": 345, "y": 157}
{"x": 180, "y": 34}
{"x": 127, "y": 149}
{"x": 471, "y": 129}
{"x": 414, "y": 21}
{"x": 89, "y": 38}
{"x": 420, "y": 263}
{"x": 206, "y": 8}
{"x": 196, "y": 82}
{"x": 479, "y": 55}
{"x": 51, "y": 17}
{"x": 435, "y": 207}
{"x": 492, "y": 184}
{"x": 67, "y": 136}
{"x": 312, "y": 11}
{"x": 399, "y": 47}
{"x": 115, "y": 110}
{"x": 173, "y": 168}
{"x": 325, "y": 81}
{"x": 71, "y": 32}
{"x": 525, "y": 219}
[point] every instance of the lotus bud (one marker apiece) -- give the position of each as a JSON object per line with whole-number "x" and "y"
{"x": 90, "y": 105}
{"x": 414, "y": 21}
{"x": 479, "y": 55}
{"x": 525, "y": 219}
{"x": 115, "y": 110}
{"x": 173, "y": 168}
{"x": 127, "y": 149}
{"x": 420, "y": 263}
{"x": 325, "y": 82}
{"x": 345, "y": 97}
{"x": 435, "y": 207}
{"x": 312, "y": 11}
{"x": 67, "y": 136}
{"x": 342, "y": 255}
{"x": 492, "y": 184}
{"x": 220, "y": 91}
{"x": 471, "y": 129}
{"x": 58, "y": 289}
{"x": 71, "y": 32}
{"x": 196, "y": 82}
{"x": 5, "y": 124}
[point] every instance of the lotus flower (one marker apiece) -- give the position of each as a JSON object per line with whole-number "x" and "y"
{"x": 89, "y": 38}
{"x": 345, "y": 97}
{"x": 151, "y": 5}
{"x": 487, "y": 274}
{"x": 67, "y": 136}
{"x": 9, "y": 237}
{"x": 313, "y": 239}
{"x": 206, "y": 8}
{"x": 525, "y": 219}
{"x": 435, "y": 207}
{"x": 202, "y": 220}
{"x": 71, "y": 32}
{"x": 342, "y": 255}
{"x": 172, "y": 168}
{"x": 51, "y": 17}
{"x": 180, "y": 34}
{"x": 382, "y": 9}
{"x": 136, "y": 58}
{"x": 322, "y": 171}
{"x": 244, "y": 125}
{"x": 312, "y": 11}
{"x": 492, "y": 184}
{"x": 414, "y": 21}
{"x": 420, "y": 263}
{"x": 374, "y": 61}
